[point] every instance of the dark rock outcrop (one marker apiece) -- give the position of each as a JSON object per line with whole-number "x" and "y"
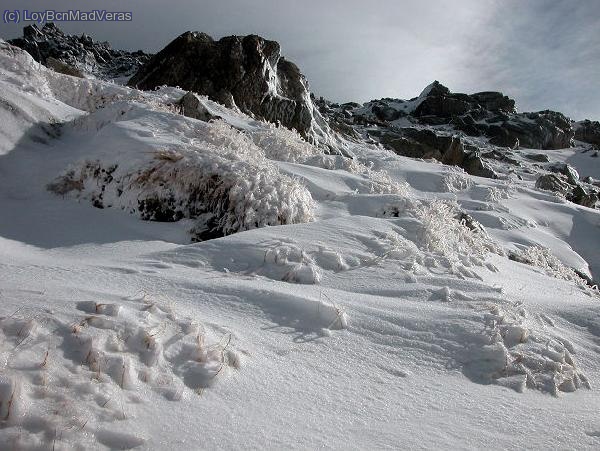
{"x": 474, "y": 165}
{"x": 584, "y": 197}
{"x": 588, "y": 131}
{"x": 495, "y": 101}
{"x": 567, "y": 170}
{"x": 565, "y": 180}
{"x": 541, "y": 130}
{"x": 50, "y": 46}
{"x": 553, "y": 182}
{"x": 247, "y": 72}
{"x": 424, "y": 143}
{"x": 192, "y": 106}
{"x": 440, "y": 102}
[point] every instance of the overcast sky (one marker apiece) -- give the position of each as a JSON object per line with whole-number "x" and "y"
{"x": 543, "y": 53}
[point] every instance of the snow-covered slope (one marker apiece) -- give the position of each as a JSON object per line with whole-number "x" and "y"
{"x": 379, "y": 302}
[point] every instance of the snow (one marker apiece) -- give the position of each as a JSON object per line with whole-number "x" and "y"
{"x": 354, "y": 307}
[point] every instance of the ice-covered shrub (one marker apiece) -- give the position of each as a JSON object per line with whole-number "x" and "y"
{"x": 282, "y": 144}
{"x": 227, "y": 192}
{"x": 541, "y": 257}
{"x": 443, "y": 232}
{"x": 454, "y": 180}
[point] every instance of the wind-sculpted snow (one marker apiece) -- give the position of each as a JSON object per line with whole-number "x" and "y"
{"x": 98, "y": 361}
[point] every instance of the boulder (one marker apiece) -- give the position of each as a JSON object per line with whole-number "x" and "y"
{"x": 191, "y": 106}
{"x": 567, "y": 170}
{"x": 423, "y": 143}
{"x": 473, "y": 164}
{"x": 582, "y": 197}
{"x": 553, "y": 182}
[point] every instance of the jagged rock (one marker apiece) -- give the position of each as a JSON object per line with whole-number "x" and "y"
{"x": 244, "y": 71}
{"x": 408, "y": 147}
{"x": 50, "y": 46}
{"x": 553, "y": 182}
{"x": 386, "y": 113}
{"x": 567, "y": 170}
{"x": 467, "y": 125}
{"x": 442, "y": 106}
{"x": 485, "y": 113}
{"x": 440, "y": 102}
{"x": 502, "y": 137}
{"x": 423, "y": 143}
{"x": 541, "y": 130}
{"x": 435, "y": 89}
{"x": 588, "y": 131}
{"x": 454, "y": 153}
{"x": 474, "y": 165}
{"x": 582, "y": 197}
{"x": 495, "y": 101}
{"x": 192, "y": 106}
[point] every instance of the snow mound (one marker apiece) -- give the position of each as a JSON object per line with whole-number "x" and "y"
{"x": 519, "y": 353}
{"x": 68, "y": 382}
{"x": 208, "y": 172}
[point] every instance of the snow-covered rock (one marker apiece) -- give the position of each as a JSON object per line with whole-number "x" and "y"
{"x": 78, "y": 54}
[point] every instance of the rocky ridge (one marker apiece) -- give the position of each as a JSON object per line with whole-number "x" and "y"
{"x": 78, "y": 55}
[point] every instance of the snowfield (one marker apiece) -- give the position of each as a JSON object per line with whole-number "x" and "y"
{"x": 365, "y": 303}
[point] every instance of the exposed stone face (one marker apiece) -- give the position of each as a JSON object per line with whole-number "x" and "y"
{"x": 552, "y": 130}
{"x": 50, "y": 46}
{"x": 245, "y": 72}
{"x": 474, "y": 165}
{"x": 584, "y": 197}
{"x": 565, "y": 181}
{"x": 568, "y": 171}
{"x": 443, "y": 106}
{"x": 588, "y": 131}
{"x": 495, "y": 101}
{"x": 191, "y": 106}
{"x": 423, "y": 143}
{"x": 440, "y": 102}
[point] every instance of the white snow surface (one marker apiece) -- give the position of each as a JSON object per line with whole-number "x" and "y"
{"x": 369, "y": 318}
